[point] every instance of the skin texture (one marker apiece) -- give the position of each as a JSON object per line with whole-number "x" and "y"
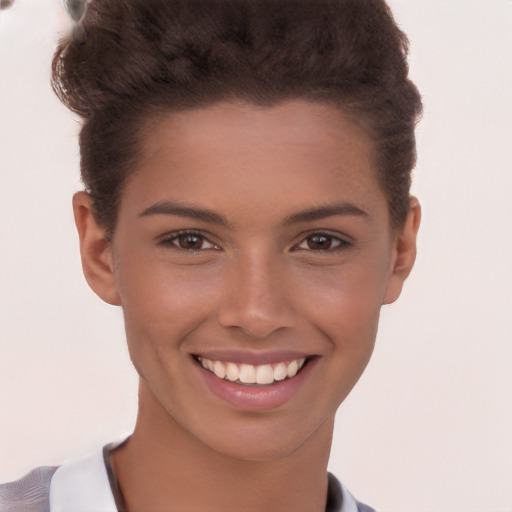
{"x": 255, "y": 285}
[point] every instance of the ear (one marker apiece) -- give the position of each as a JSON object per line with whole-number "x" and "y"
{"x": 404, "y": 252}
{"x": 95, "y": 250}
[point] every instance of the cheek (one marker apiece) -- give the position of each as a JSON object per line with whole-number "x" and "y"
{"x": 347, "y": 312}
{"x": 344, "y": 304}
{"x": 162, "y": 303}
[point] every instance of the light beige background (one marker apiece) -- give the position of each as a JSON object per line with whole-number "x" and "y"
{"x": 429, "y": 426}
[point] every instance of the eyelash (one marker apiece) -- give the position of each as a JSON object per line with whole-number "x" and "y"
{"x": 342, "y": 244}
{"x": 169, "y": 241}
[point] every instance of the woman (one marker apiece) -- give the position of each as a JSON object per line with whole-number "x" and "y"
{"x": 247, "y": 170}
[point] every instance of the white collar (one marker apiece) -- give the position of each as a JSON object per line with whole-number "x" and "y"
{"x": 348, "y": 504}
{"x": 83, "y": 486}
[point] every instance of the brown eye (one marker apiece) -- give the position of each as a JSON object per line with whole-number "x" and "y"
{"x": 190, "y": 241}
{"x": 319, "y": 242}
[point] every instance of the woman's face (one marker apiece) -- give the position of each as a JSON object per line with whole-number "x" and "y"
{"x": 253, "y": 241}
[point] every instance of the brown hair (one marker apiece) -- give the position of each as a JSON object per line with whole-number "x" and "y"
{"x": 140, "y": 58}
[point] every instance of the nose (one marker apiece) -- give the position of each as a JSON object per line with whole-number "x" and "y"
{"x": 257, "y": 299}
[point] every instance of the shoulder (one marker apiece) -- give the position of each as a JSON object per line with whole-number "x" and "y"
{"x": 339, "y": 499}
{"x": 79, "y": 485}
{"x": 361, "y": 507}
{"x": 29, "y": 494}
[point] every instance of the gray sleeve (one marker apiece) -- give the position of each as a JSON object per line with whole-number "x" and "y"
{"x": 29, "y": 494}
{"x": 361, "y": 507}
{"x": 335, "y": 497}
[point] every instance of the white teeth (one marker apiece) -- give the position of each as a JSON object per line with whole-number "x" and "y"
{"x": 232, "y": 372}
{"x": 263, "y": 374}
{"x": 292, "y": 369}
{"x": 247, "y": 374}
{"x": 219, "y": 370}
{"x": 280, "y": 371}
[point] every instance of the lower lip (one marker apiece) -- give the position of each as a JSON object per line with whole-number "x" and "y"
{"x": 256, "y": 398}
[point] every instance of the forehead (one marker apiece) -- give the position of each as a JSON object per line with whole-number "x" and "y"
{"x": 285, "y": 155}
{"x": 250, "y": 127}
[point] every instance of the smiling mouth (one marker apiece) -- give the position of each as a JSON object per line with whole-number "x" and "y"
{"x": 253, "y": 375}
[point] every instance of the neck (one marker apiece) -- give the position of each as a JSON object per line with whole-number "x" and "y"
{"x": 163, "y": 465}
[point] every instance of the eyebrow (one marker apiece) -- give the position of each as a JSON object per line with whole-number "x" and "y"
{"x": 323, "y": 212}
{"x": 205, "y": 215}
{"x": 185, "y": 210}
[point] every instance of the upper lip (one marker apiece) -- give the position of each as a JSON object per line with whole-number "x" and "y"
{"x": 254, "y": 357}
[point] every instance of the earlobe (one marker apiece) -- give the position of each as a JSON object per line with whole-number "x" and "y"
{"x": 404, "y": 252}
{"x": 95, "y": 250}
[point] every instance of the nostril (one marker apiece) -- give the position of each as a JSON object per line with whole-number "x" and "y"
{"x": 255, "y": 319}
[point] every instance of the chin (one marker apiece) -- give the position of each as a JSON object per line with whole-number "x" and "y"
{"x": 266, "y": 442}
{"x": 275, "y": 449}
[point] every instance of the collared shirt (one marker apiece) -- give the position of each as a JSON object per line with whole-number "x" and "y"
{"x": 88, "y": 485}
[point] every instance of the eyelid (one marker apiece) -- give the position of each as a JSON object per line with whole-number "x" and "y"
{"x": 168, "y": 239}
{"x": 344, "y": 242}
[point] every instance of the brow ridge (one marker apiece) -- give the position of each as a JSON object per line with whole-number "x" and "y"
{"x": 322, "y": 212}
{"x": 185, "y": 210}
{"x": 205, "y": 215}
